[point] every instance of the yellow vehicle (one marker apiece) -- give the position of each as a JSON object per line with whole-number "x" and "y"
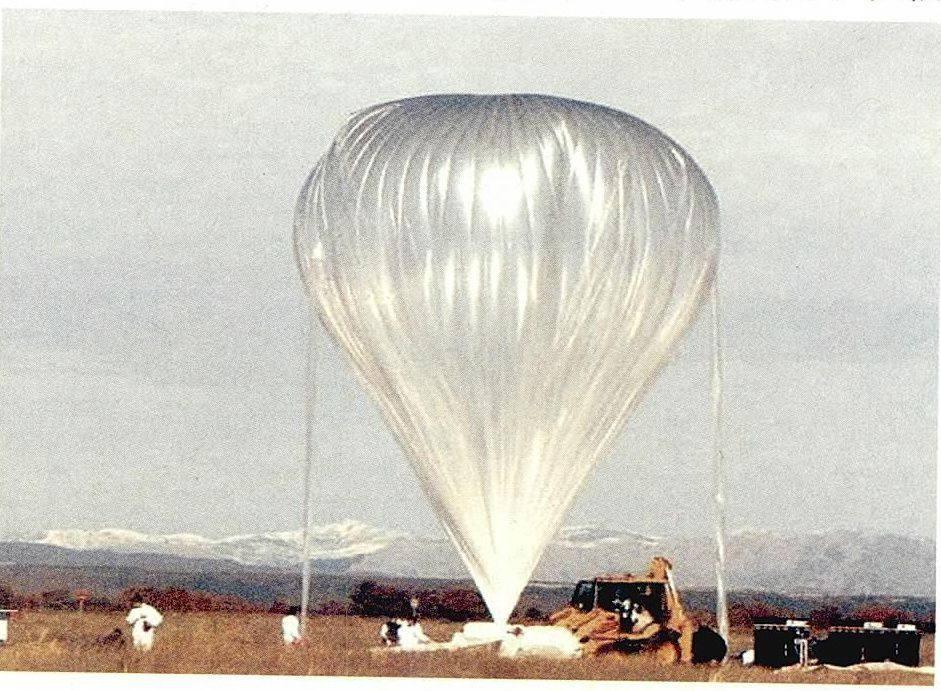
{"x": 626, "y": 613}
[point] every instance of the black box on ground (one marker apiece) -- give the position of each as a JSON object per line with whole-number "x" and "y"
{"x": 780, "y": 645}
{"x": 850, "y": 645}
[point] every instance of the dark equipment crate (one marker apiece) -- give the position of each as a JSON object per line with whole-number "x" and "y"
{"x": 850, "y": 645}
{"x": 777, "y": 645}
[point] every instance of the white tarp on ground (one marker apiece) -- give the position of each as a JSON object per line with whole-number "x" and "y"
{"x": 480, "y": 633}
{"x": 861, "y": 667}
{"x": 543, "y": 641}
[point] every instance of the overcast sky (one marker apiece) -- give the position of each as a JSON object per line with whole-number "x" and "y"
{"x": 153, "y": 324}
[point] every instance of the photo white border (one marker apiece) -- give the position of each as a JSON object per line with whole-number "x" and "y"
{"x": 907, "y": 11}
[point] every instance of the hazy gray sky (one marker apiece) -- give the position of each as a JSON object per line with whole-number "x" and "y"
{"x": 153, "y": 320}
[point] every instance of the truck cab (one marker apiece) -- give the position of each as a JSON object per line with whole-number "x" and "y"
{"x": 610, "y": 593}
{"x": 628, "y": 613}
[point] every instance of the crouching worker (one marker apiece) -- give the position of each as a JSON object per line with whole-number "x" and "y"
{"x": 403, "y": 633}
{"x": 144, "y": 620}
{"x": 291, "y": 627}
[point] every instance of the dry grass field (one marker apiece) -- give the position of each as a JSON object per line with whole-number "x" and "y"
{"x": 340, "y": 646}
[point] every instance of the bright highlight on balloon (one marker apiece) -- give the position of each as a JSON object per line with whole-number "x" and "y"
{"x": 507, "y": 275}
{"x": 500, "y": 191}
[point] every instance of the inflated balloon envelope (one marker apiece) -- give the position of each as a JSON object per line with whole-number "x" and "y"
{"x": 507, "y": 275}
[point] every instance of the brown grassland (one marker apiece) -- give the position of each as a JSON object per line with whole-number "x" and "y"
{"x": 222, "y": 643}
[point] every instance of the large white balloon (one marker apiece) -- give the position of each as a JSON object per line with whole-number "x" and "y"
{"x": 507, "y": 275}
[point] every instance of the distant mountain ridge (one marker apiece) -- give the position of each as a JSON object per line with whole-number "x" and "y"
{"x": 337, "y": 541}
{"x": 837, "y": 562}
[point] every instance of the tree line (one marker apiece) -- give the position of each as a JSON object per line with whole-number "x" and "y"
{"x": 373, "y": 598}
{"x": 171, "y": 599}
{"x": 369, "y": 598}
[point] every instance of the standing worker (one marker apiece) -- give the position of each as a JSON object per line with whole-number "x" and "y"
{"x": 144, "y": 620}
{"x": 291, "y": 627}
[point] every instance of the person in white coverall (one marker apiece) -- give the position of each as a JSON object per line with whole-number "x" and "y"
{"x": 291, "y": 627}
{"x": 411, "y": 634}
{"x": 144, "y": 620}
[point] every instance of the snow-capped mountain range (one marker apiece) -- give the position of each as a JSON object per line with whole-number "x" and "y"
{"x": 844, "y": 562}
{"x": 346, "y": 540}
